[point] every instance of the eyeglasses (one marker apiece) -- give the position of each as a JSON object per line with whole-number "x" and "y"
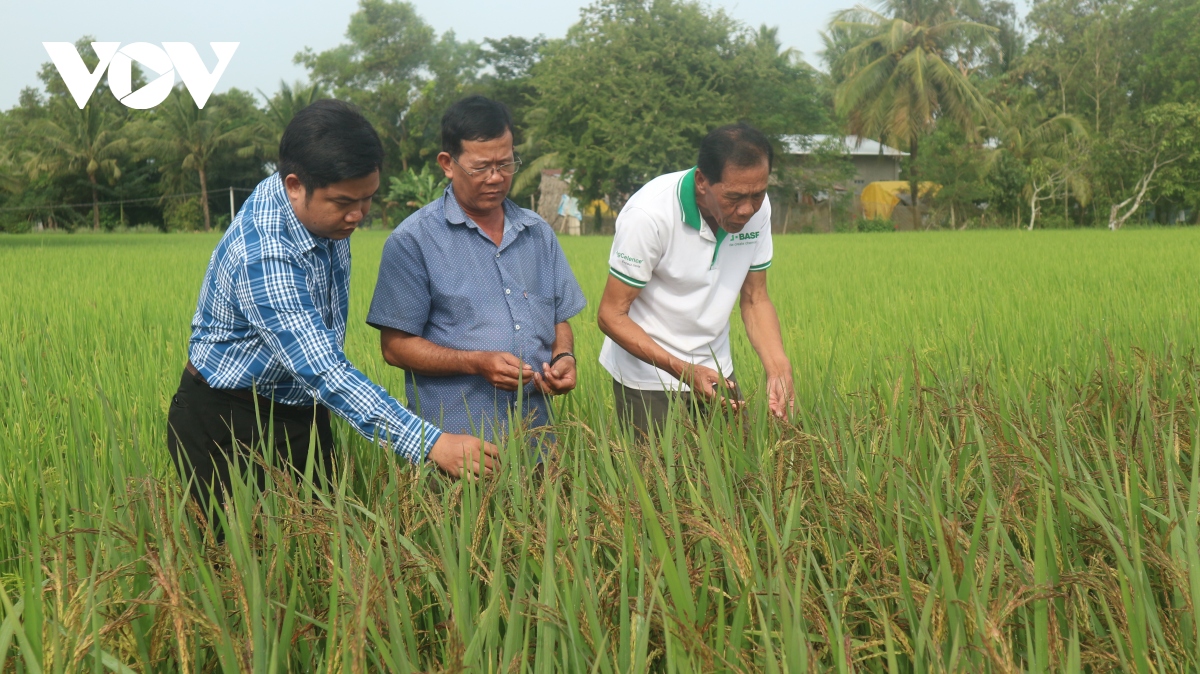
{"x": 508, "y": 169}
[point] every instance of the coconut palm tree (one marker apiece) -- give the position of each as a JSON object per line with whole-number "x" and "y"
{"x": 10, "y": 173}
{"x": 1047, "y": 145}
{"x": 184, "y": 137}
{"x": 895, "y": 80}
{"x": 76, "y": 139}
{"x": 281, "y": 108}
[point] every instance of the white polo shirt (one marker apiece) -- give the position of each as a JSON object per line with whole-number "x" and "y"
{"x": 690, "y": 278}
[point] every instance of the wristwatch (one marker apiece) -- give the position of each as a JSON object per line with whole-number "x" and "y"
{"x": 562, "y": 355}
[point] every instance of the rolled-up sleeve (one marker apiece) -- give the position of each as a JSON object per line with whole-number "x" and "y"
{"x": 291, "y": 327}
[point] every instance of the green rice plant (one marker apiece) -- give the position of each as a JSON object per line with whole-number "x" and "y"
{"x": 994, "y": 465}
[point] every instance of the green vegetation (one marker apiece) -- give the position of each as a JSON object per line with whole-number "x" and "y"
{"x": 634, "y": 87}
{"x": 1080, "y": 113}
{"x": 994, "y": 466}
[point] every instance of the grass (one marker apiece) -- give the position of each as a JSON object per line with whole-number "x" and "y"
{"x": 994, "y": 465}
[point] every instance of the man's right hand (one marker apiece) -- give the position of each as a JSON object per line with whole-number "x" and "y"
{"x": 705, "y": 381}
{"x": 503, "y": 370}
{"x": 458, "y": 454}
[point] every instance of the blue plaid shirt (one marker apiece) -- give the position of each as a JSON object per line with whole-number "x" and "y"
{"x": 272, "y": 315}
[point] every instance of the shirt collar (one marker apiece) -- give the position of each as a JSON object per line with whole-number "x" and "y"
{"x": 691, "y": 211}
{"x": 687, "y": 200}
{"x": 454, "y": 213}
{"x": 296, "y": 229}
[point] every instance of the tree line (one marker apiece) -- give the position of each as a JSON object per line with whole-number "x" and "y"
{"x": 1084, "y": 113}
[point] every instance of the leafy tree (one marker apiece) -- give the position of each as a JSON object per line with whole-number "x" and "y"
{"x": 74, "y": 139}
{"x": 1079, "y": 56}
{"x": 635, "y": 85}
{"x": 188, "y": 139}
{"x": 958, "y": 165}
{"x": 779, "y": 92}
{"x": 281, "y": 107}
{"x": 1049, "y": 148}
{"x": 379, "y": 69}
{"x": 1166, "y": 48}
{"x": 999, "y": 53}
{"x": 1004, "y": 182}
{"x": 511, "y": 61}
{"x": 12, "y": 175}
{"x": 56, "y": 144}
{"x": 1161, "y": 153}
{"x": 897, "y": 82}
{"x": 453, "y": 68}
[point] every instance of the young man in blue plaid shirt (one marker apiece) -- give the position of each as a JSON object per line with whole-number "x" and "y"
{"x": 269, "y": 329}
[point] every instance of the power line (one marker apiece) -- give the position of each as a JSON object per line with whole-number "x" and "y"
{"x": 44, "y": 207}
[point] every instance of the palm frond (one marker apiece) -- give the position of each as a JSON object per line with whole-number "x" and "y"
{"x": 531, "y": 174}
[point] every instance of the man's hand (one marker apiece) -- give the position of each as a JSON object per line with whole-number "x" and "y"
{"x": 503, "y": 370}
{"x": 704, "y": 381}
{"x": 559, "y": 379}
{"x": 459, "y": 454}
{"x": 781, "y": 395}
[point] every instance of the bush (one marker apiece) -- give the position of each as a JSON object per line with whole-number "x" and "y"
{"x": 413, "y": 189}
{"x": 183, "y": 215}
{"x": 864, "y": 225}
{"x": 15, "y": 223}
{"x": 875, "y": 225}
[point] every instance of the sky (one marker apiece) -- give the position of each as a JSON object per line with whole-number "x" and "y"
{"x": 271, "y": 33}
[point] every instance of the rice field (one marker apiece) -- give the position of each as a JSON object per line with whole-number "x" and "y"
{"x": 994, "y": 465}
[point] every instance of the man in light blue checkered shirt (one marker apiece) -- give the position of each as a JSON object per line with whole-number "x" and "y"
{"x": 270, "y": 324}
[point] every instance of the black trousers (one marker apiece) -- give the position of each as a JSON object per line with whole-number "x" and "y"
{"x": 641, "y": 409}
{"x": 211, "y": 430}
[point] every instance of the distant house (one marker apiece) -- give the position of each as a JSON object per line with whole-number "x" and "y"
{"x": 872, "y": 162}
{"x": 564, "y": 212}
{"x": 551, "y": 192}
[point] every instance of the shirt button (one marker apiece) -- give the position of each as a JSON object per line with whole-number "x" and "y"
{"x": 507, "y": 291}
{"x": 497, "y": 255}
{"x": 518, "y": 326}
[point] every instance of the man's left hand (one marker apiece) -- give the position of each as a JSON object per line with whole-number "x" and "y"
{"x": 558, "y": 379}
{"x": 781, "y": 395}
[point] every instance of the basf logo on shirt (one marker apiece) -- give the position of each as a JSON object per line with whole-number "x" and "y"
{"x": 165, "y": 61}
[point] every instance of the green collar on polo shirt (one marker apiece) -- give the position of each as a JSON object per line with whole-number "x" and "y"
{"x": 691, "y": 211}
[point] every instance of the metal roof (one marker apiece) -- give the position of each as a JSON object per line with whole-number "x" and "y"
{"x": 852, "y": 145}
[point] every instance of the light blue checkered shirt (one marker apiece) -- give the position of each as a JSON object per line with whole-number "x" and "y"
{"x": 272, "y": 315}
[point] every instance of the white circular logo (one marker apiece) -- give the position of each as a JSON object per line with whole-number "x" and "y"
{"x": 153, "y": 59}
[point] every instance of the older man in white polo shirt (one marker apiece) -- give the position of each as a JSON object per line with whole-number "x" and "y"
{"x": 687, "y": 246}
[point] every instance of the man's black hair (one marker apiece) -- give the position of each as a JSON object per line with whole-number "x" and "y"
{"x": 328, "y": 142}
{"x": 739, "y": 144}
{"x": 474, "y": 118}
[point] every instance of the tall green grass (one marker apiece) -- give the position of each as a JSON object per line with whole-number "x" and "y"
{"x": 993, "y": 466}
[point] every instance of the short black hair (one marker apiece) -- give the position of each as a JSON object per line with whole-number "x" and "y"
{"x": 739, "y": 144}
{"x": 474, "y": 118}
{"x": 328, "y": 142}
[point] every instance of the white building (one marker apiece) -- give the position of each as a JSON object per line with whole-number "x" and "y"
{"x": 872, "y": 160}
